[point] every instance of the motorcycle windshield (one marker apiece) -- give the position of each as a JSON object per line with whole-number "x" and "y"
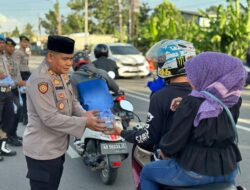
{"x": 94, "y": 95}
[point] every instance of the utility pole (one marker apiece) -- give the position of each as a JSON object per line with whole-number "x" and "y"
{"x": 58, "y": 18}
{"x": 120, "y": 21}
{"x": 86, "y": 23}
{"x": 130, "y": 20}
{"x": 133, "y": 17}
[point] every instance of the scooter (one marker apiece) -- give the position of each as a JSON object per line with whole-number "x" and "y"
{"x": 140, "y": 157}
{"x": 125, "y": 115}
{"x": 101, "y": 152}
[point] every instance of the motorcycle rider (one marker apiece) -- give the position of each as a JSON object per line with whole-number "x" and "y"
{"x": 102, "y": 61}
{"x": 85, "y": 70}
{"x": 171, "y": 56}
{"x": 201, "y": 146}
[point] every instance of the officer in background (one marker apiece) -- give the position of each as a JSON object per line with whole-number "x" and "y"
{"x": 2, "y": 44}
{"x": 6, "y": 102}
{"x": 14, "y": 72}
{"x": 54, "y": 114}
{"x": 86, "y": 49}
{"x": 22, "y": 57}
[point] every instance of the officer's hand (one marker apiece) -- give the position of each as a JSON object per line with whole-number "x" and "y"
{"x": 94, "y": 123}
{"x": 2, "y": 75}
{"x": 175, "y": 103}
{"x": 21, "y": 83}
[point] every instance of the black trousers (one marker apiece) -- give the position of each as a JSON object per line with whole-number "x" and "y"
{"x": 7, "y": 116}
{"x": 45, "y": 174}
{"x": 24, "y": 112}
{"x": 25, "y": 76}
{"x": 18, "y": 111}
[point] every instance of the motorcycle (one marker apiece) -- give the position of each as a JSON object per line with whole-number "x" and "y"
{"x": 101, "y": 152}
{"x": 125, "y": 115}
{"x": 140, "y": 157}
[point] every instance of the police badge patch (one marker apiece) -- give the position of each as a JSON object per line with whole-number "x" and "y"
{"x": 61, "y": 106}
{"x": 43, "y": 87}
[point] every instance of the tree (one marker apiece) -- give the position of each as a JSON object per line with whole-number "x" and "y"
{"x": 28, "y": 30}
{"x": 50, "y": 23}
{"x": 144, "y": 13}
{"x": 165, "y": 22}
{"x": 228, "y": 32}
{"x": 15, "y": 32}
{"x": 103, "y": 16}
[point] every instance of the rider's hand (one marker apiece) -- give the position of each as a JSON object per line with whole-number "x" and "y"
{"x": 93, "y": 122}
{"x": 175, "y": 103}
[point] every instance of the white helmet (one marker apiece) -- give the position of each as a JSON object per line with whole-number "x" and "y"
{"x": 170, "y": 56}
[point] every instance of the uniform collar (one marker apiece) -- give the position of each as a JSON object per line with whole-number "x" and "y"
{"x": 46, "y": 69}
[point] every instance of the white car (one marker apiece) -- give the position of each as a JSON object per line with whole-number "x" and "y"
{"x": 129, "y": 60}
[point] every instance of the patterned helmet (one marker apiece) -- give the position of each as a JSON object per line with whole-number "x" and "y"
{"x": 80, "y": 58}
{"x": 170, "y": 56}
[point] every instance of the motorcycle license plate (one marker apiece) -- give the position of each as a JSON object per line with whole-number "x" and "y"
{"x": 114, "y": 148}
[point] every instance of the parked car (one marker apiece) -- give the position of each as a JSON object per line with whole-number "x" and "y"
{"x": 129, "y": 60}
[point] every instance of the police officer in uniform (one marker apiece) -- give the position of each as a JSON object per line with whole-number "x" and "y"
{"x": 23, "y": 60}
{"x": 2, "y": 44}
{"x": 6, "y": 101}
{"x": 54, "y": 114}
{"x": 14, "y": 71}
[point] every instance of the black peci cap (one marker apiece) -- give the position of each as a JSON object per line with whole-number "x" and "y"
{"x": 9, "y": 41}
{"x": 22, "y": 37}
{"x": 61, "y": 44}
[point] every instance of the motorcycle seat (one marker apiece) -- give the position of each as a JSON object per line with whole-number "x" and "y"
{"x": 215, "y": 186}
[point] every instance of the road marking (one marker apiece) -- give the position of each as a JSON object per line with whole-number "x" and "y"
{"x": 247, "y": 121}
{"x": 245, "y": 104}
{"x": 244, "y": 147}
{"x": 243, "y": 128}
{"x": 72, "y": 152}
{"x": 137, "y": 97}
{"x": 138, "y": 93}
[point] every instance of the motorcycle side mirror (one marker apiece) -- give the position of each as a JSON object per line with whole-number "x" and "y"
{"x": 126, "y": 105}
{"x": 111, "y": 74}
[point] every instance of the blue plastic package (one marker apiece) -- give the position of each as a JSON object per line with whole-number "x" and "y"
{"x": 7, "y": 81}
{"x": 108, "y": 116}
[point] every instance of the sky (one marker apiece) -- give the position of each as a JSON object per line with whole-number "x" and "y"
{"x": 19, "y": 12}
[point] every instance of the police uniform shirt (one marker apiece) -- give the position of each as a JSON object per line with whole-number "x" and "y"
{"x": 2, "y": 67}
{"x": 22, "y": 59}
{"x": 8, "y": 66}
{"x": 54, "y": 114}
{"x": 13, "y": 68}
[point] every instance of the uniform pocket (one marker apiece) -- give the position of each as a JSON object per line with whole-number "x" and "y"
{"x": 38, "y": 175}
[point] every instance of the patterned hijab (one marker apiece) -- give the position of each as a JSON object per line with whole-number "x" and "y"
{"x": 219, "y": 74}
